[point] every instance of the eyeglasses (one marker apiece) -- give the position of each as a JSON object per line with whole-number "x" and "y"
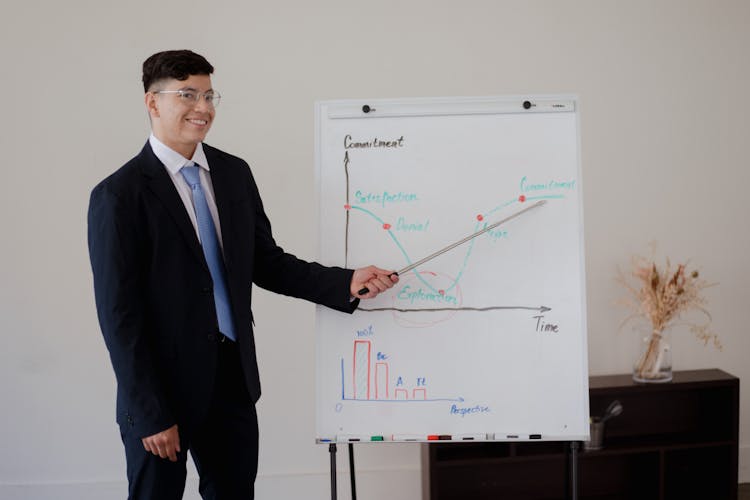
{"x": 189, "y": 96}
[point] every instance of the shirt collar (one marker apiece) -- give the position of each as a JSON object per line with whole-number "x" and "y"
{"x": 173, "y": 160}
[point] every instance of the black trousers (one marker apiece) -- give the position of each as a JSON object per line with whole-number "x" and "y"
{"x": 224, "y": 448}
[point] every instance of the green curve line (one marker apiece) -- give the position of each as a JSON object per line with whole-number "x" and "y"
{"x": 471, "y": 244}
{"x": 547, "y": 197}
{"x": 499, "y": 207}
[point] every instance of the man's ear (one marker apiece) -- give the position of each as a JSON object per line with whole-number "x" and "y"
{"x": 152, "y": 104}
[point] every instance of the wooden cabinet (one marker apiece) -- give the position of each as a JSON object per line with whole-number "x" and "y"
{"x": 677, "y": 440}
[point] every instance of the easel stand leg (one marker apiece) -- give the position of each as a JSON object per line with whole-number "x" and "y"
{"x": 332, "y": 451}
{"x": 573, "y": 468}
{"x": 351, "y": 471}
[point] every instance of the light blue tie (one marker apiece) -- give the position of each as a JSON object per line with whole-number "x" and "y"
{"x": 211, "y": 250}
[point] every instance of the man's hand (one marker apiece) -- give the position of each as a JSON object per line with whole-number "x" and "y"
{"x": 165, "y": 444}
{"x": 373, "y": 278}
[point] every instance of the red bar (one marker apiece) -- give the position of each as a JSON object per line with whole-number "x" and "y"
{"x": 354, "y": 369}
{"x": 379, "y": 369}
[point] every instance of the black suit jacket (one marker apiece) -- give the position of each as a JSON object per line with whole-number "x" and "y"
{"x": 154, "y": 293}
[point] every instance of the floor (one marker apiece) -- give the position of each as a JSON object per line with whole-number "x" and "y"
{"x": 744, "y": 491}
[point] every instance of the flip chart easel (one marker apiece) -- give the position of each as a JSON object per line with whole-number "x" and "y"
{"x": 486, "y": 342}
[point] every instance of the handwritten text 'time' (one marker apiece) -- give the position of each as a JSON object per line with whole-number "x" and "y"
{"x": 542, "y": 326}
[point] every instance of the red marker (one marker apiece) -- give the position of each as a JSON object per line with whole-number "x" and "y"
{"x": 480, "y": 217}
{"x": 433, "y": 437}
{"x": 441, "y": 292}
{"x": 522, "y": 198}
{"x": 347, "y": 207}
{"x": 386, "y": 226}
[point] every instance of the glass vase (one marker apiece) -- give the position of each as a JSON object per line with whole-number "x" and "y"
{"x": 654, "y": 362}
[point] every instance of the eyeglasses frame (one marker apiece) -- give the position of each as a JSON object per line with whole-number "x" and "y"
{"x": 211, "y": 97}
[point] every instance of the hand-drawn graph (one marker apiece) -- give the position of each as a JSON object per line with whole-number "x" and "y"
{"x": 371, "y": 379}
{"x": 487, "y": 337}
{"x": 428, "y": 290}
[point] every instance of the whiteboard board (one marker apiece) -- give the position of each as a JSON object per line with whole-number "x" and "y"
{"x": 488, "y": 341}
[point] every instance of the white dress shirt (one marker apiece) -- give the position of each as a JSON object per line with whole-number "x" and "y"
{"x": 173, "y": 162}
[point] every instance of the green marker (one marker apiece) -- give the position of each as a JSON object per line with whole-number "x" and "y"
{"x": 376, "y": 438}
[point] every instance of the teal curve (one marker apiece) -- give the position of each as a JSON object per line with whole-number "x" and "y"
{"x": 471, "y": 244}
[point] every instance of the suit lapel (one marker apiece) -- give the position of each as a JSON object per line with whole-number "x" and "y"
{"x": 161, "y": 185}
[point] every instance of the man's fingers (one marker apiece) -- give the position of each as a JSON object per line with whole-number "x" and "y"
{"x": 389, "y": 278}
{"x": 162, "y": 448}
{"x": 370, "y": 281}
{"x": 376, "y": 285}
{"x": 381, "y": 272}
{"x": 166, "y": 449}
{"x": 380, "y": 283}
{"x": 165, "y": 444}
{"x": 385, "y": 281}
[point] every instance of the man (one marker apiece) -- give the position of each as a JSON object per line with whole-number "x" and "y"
{"x": 177, "y": 236}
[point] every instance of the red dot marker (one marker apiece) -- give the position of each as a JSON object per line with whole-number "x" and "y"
{"x": 441, "y": 292}
{"x": 480, "y": 217}
{"x": 522, "y": 198}
{"x": 347, "y": 207}
{"x": 386, "y": 226}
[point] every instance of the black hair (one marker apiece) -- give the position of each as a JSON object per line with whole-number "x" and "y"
{"x": 177, "y": 64}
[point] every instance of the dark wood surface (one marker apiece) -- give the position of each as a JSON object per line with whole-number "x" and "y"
{"x": 677, "y": 440}
{"x": 699, "y": 377}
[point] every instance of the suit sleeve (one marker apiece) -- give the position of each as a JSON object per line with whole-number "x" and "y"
{"x": 281, "y": 272}
{"x": 118, "y": 264}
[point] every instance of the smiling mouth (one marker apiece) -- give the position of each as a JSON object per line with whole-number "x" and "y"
{"x": 198, "y": 122}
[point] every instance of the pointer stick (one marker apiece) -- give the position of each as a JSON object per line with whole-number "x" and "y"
{"x": 365, "y": 290}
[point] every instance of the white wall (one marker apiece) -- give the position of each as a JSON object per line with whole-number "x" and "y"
{"x": 665, "y": 127}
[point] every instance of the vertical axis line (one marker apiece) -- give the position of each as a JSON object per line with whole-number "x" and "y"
{"x": 346, "y": 235}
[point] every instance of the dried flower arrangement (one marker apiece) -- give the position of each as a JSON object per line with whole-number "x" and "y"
{"x": 662, "y": 297}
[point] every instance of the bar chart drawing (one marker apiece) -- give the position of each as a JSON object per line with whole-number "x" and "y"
{"x": 371, "y": 381}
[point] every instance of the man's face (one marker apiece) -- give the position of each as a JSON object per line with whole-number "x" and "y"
{"x": 179, "y": 122}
